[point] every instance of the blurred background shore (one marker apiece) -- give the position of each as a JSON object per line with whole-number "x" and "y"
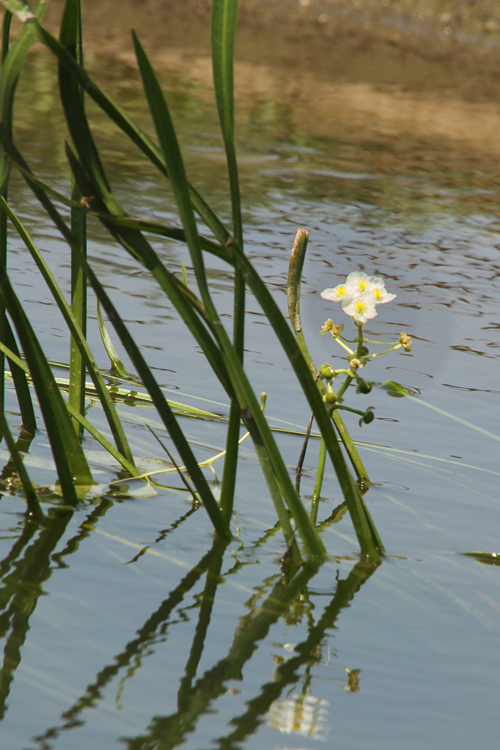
{"x": 415, "y": 44}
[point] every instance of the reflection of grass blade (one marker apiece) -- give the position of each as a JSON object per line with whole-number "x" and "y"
{"x": 157, "y": 623}
{"x": 168, "y": 732}
{"x": 304, "y": 653}
{"x": 461, "y": 421}
{"x": 68, "y": 454}
{"x": 21, "y": 591}
{"x": 29, "y": 490}
{"x": 206, "y": 606}
{"x": 78, "y": 336}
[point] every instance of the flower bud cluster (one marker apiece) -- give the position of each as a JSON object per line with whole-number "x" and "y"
{"x": 330, "y": 327}
{"x": 405, "y": 341}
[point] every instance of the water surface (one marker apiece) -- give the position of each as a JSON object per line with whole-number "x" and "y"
{"x": 124, "y": 624}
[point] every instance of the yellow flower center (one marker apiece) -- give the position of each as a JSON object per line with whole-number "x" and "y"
{"x": 360, "y": 306}
{"x": 340, "y": 291}
{"x": 377, "y": 293}
{"x": 362, "y": 285}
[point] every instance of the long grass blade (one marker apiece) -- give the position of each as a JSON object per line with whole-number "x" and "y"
{"x": 127, "y": 465}
{"x": 223, "y": 30}
{"x": 71, "y": 38}
{"x": 6, "y": 24}
{"x": 249, "y": 406}
{"x": 13, "y": 57}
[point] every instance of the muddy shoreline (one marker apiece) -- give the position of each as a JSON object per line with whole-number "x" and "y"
{"x": 415, "y": 47}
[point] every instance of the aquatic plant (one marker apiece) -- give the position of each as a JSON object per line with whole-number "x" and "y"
{"x": 92, "y": 195}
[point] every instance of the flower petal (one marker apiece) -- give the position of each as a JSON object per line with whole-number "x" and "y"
{"x": 357, "y": 282}
{"x": 361, "y": 308}
{"x": 337, "y": 294}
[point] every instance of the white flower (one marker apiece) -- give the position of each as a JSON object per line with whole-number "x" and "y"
{"x": 361, "y": 308}
{"x": 340, "y": 293}
{"x": 376, "y": 285}
{"x": 359, "y": 295}
{"x": 357, "y": 282}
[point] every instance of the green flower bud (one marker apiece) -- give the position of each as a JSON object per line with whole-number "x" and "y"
{"x": 354, "y": 363}
{"x": 327, "y": 326}
{"x": 367, "y": 417}
{"x": 330, "y": 398}
{"x": 363, "y": 386}
{"x": 326, "y": 372}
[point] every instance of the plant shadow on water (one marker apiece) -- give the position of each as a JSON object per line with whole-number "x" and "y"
{"x": 29, "y": 567}
{"x": 238, "y": 655}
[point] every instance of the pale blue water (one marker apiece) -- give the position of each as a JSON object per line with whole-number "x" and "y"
{"x": 106, "y": 646}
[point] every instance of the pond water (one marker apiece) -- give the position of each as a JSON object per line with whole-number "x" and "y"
{"x": 123, "y": 623}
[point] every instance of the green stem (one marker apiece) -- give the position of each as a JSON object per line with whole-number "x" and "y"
{"x": 293, "y": 294}
{"x": 347, "y": 382}
{"x": 319, "y": 481}
{"x": 7, "y": 20}
{"x": 386, "y": 351}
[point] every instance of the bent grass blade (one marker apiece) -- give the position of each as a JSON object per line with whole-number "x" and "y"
{"x": 68, "y": 455}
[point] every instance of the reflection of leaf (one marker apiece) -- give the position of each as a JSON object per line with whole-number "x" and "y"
{"x": 488, "y": 558}
{"x": 337, "y": 515}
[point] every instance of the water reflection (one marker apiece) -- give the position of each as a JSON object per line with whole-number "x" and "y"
{"x": 23, "y": 573}
{"x": 197, "y": 693}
